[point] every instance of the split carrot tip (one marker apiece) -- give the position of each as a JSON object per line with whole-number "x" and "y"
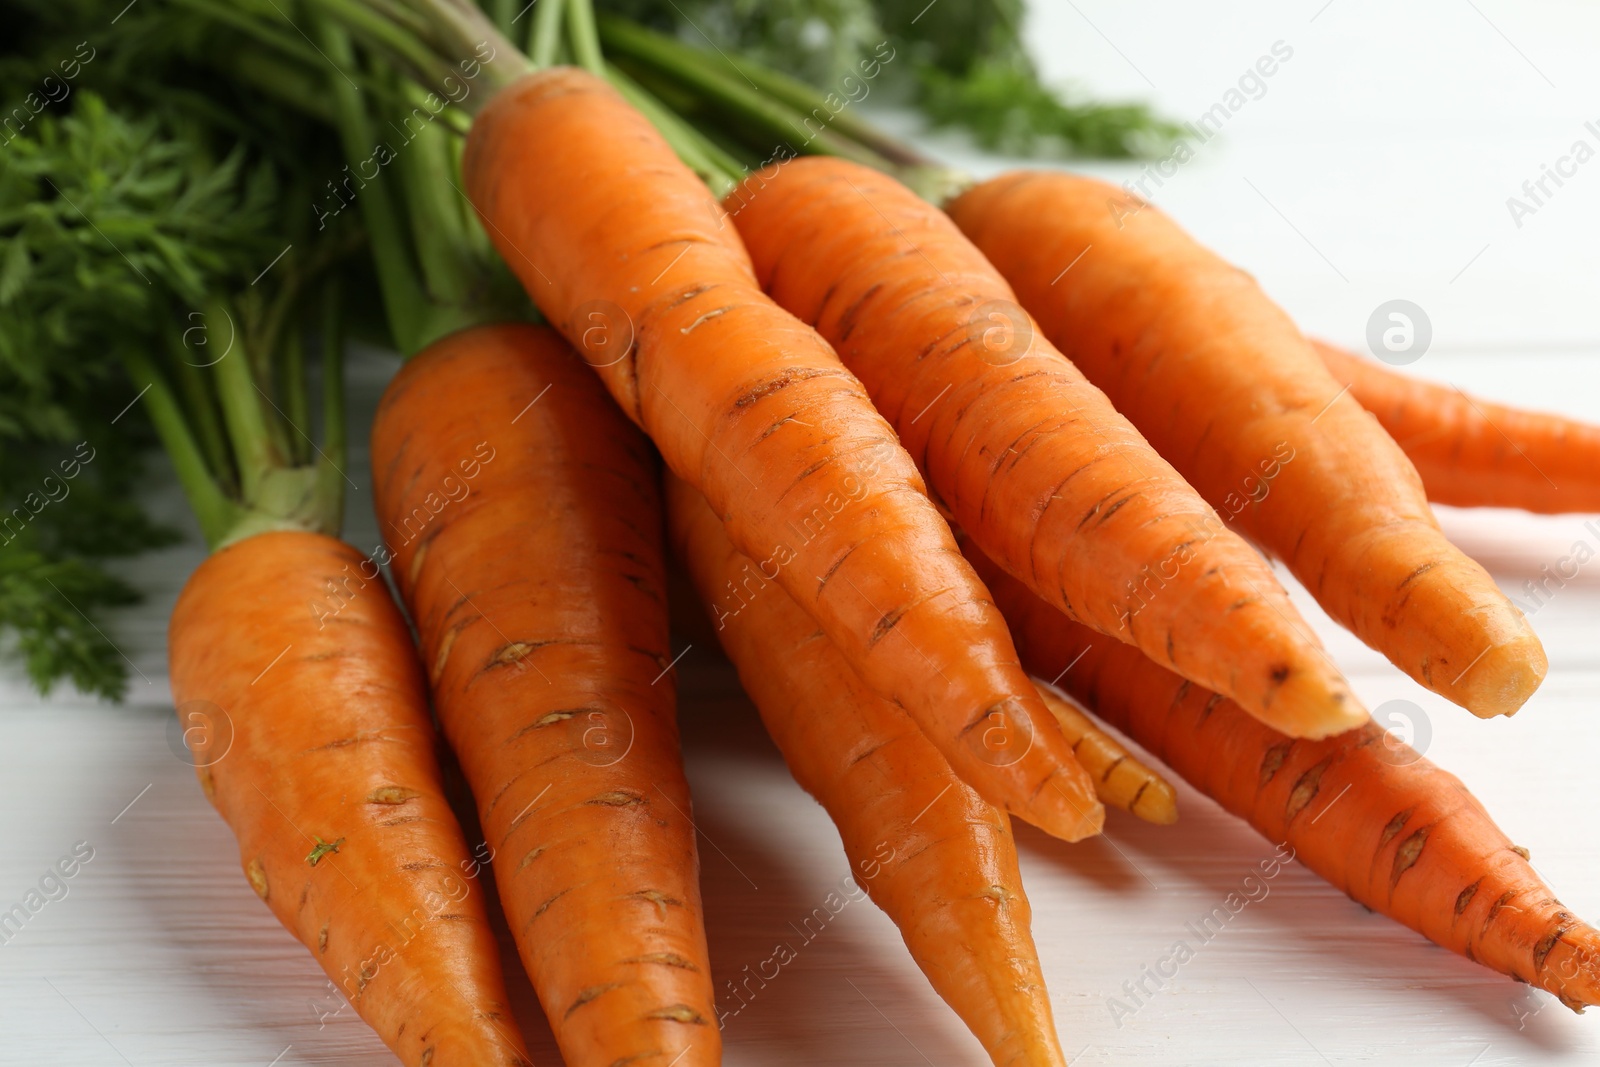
{"x": 1504, "y": 678}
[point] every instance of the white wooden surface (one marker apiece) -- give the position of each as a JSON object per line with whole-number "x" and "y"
{"x": 1375, "y": 166}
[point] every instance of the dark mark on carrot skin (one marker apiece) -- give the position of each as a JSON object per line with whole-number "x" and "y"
{"x": 885, "y": 624}
{"x": 1466, "y": 897}
{"x": 1541, "y": 951}
{"x": 1273, "y": 760}
{"x": 1305, "y": 790}
{"x": 1408, "y": 852}
{"x": 589, "y": 995}
{"x": 1394, "y": 826}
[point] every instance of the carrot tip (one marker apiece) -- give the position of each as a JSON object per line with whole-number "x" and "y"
{"x": 1572, "y": 970}
{"x": 1077, "y": 824}
{"x": 1501, "y": 680}
{"x": 1317, "y": 713}
{"x": 1158, "y": 804}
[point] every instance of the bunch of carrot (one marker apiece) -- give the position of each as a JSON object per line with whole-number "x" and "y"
{"x": 911, "y": 455}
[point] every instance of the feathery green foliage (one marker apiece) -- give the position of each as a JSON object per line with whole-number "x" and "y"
{"x": 132, "y": 192}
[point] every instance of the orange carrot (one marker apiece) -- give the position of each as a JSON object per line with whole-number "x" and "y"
{"x": 1121, "y": 779}
{"x": 319, "y": 752}
{"x": 628, "y": 254}
{"x": 1368, "y": 814}
{"x": 1029, "y": 458}
{"x": 929, "y": 851}
{"x": 524, "y": 516}
{"x": 1226, "y": 388}
{"x": 1472, "y": 452}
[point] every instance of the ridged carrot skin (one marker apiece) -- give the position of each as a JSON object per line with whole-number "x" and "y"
{"x": 303, "y": 683}
{"x": 588, "y": 204}
{"x": 1472, "y": 452}
{"x": 1122, "y": 780}
{"x": 524, "y": 515}
{"x": 1029, "y": 458}
{"x": 1370, "y": 815}
{"x": 938, "y": 859}
{"x": 1222, "y": 383}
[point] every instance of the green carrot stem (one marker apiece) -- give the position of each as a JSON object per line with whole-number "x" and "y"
{"x": 544, "y": 38}
{"x": 264, "y": 328}
{"x": 296, "y": 401}
{"x": 305, "y": 88}
{"x": 502, "y": 12}
{"x": 810, "y": 101}
{"x": 387, "y": 31}
{"x": 757, "y": 112}
{"x": 715, "y": 167}
{"x": 427, "y": 175}
{"x": 253, "y": 448}
{"x": 285, "y": 80}
{"x": 201, "y": 414}
{"x": 585, "y": 41}
{"x": 462, "y": 33}
{"x": 403, "y": 295}
{"x": 216, "y": 512}
{"x": 230, "y": 13}
{"x": 330, "y": 465}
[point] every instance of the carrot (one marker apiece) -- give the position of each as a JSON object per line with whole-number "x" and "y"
{"x": 938, "y": 859}
{"x": 627, "y": 253}
{"x": 1476, "y": 453}
{"x": 1029, "y": 458}
{"x": 1371, "y": 816}
{"x": 524, "y": 516}
{"x": 1226, "y": 388}
{"x": 1121, "y": 778}
{"x": 319, "y": 753}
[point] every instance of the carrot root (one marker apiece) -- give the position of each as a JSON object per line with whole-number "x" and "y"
{"x": 753, "y": 408}
{"x": 290, "y": 644}
{"x": 1227, "y": 389}
{"x": 524, "y": 514}
{"x": 1472, "y": 452}
{"x": 932, "y": 854}
{"x": 1372, "y": 817}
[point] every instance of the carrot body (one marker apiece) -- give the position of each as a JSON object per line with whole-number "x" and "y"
{"x": 1029, "y": 458}
{"x": 1226, "y": 388}
{"x": 628, "y": 254}
{"x": 938, "y": 859}
{"x": 301, "y": 675}
{"x": 1371, "y": 816}
{"x": 524, "y": 515}
{"x": 1476, "y": 453}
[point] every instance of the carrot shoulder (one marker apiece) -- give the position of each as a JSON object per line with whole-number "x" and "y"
{"x": 929, "y": 851}
{"x": 1371, "y": 816}
{"x": 290, "y": 658}
{"x": 628, "y": 254}
{"x": 1029, "y": 458}
{"x": 1226, "y": 388}
{"x": 524, "y": 516}
{"x": 1472, "y": 452}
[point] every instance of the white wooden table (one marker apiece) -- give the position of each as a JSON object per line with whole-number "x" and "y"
{"x": 1375, "y": 165}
